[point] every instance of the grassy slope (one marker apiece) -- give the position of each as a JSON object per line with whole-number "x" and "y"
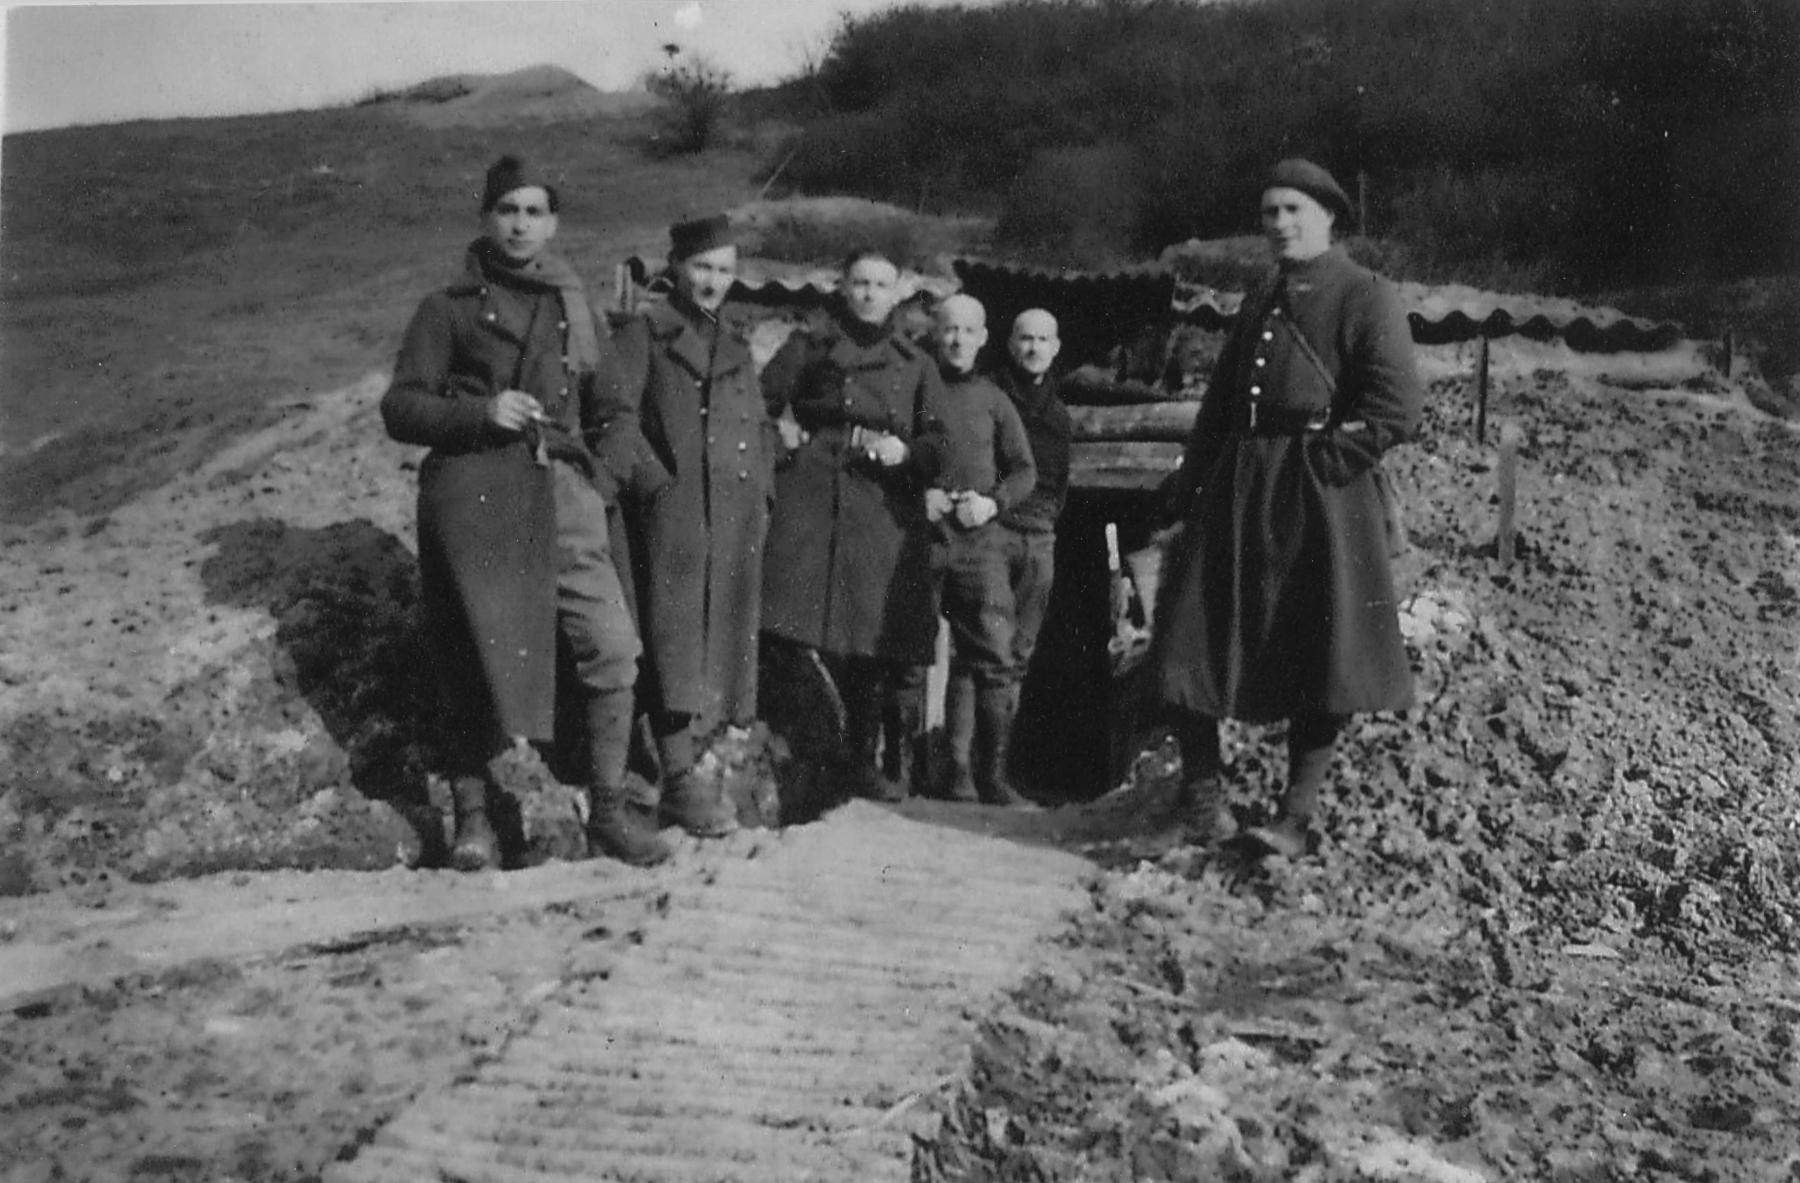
{"x": 166, "y": 284}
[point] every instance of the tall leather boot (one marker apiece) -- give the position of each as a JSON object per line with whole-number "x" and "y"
{"x": 1201, "y": 812}
{"x": 995, "y": 707}
{"x": 857, "y": 769}
{"x": 906, "y": 738}
{"x": 616, "y": 826}
{"x": 476, "y": 847}
{"x": 959, "y": 733}
{"x": 688, "y": 800}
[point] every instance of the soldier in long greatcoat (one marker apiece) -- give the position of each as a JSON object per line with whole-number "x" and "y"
{"x": 496, "y": 375}
{"x": 1280, "y": 601}
{"x": 852, "y": 564}
{"x": 698, "y": 544}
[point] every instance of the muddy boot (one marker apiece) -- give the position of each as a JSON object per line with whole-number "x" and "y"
{"x": 959, "y": 734}
{"x": 476, "y": 847}
{"x": 617, "y": 827}
{"x": 689, "y": 800}
{"x": 995, "y": 707}
{"x": 1312, "y": 741}
{"x": 1204, "y": 818}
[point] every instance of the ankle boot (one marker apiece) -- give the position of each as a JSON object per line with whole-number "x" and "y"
{"x": 475, "y": 847}
{"x": 995, "y": 707}
{"x": 688, "y": 799}
{"x": 617, "y": 827}
{"x": 959, "y": 734}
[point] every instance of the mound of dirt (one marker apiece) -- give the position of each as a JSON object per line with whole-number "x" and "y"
{"x": 536, "y": 93}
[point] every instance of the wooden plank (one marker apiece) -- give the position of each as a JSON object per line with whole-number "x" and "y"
{"x": 1168, "y": 422}
{"x": 1090, "y": 386}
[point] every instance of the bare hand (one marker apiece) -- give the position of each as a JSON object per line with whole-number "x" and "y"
{"x": 792, "y": 435}
{"x": 886, "y": 449}
{"x": 1165, "y": 537}
{"x": 937, "y": 504}
{"x": 974, "y": 510}
{"x": 511, "y": 410}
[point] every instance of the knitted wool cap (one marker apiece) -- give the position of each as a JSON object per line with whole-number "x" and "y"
{"x": 1315, "y": 182}
{"x": 509, "y": 173}
{"x": 687, "y": 239}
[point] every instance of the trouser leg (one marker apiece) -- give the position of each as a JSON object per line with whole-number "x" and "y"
{"x": 995, "y": 708}
{"x": 959, "y": 733}
{"x": 617, "y": 827}
{"x": 1031, "y": 569}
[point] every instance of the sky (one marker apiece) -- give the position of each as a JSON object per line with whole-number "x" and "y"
{"x": 69, "y": 63}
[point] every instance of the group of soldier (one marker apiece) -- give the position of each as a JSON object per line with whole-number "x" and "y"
{"x": 610, "y": 520}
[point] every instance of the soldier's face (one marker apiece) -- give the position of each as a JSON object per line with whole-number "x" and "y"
{"x": 521, "y": 223}
{"x": 871, "y": 289}
{"x": 706, "y": 278}
{"x": 1034, "y": 343}
{"x": 1298, "y": 227}
{"x": 960, "y": 332}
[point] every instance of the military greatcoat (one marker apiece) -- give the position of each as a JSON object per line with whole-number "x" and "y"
{"x": 852, "y": 563}
{"x": 487, "y": 510}
{"x": 697, "y": 545}
{"x": 1280, "y": 600}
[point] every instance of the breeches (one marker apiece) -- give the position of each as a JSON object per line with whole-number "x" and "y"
{"x": 593, "y": 622}
{"x": 996, "y": 588}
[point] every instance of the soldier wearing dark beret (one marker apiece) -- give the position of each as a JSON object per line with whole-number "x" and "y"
{"x": 1280, "y": 601}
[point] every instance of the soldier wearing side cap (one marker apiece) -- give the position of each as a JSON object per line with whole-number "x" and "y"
{"x": 1279, "y": 603}
{"x": 497, "y": 376}
{"x": 697, "y": 544}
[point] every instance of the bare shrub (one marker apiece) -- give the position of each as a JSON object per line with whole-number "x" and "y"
{"x": 695, "y": 92}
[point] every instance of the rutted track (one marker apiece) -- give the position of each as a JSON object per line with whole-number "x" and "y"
{"x": 779, "y": 1023}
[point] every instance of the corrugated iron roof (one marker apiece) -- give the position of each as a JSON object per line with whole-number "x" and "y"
{"x": 775, "y": 284}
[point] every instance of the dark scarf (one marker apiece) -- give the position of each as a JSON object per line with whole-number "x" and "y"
{"x": 545, "y": 273}
{"x": 861, "y": 331}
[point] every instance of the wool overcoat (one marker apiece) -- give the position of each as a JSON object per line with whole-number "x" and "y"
{"x": 487, "y": 510}
{"x": 852, "y": 565}
{"x": 1280, "y": 599}
{"x": 697, "y": 545}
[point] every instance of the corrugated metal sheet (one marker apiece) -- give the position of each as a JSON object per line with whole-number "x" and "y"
{"x": 772, "y": 284}
{"x": 1120, "y": 303}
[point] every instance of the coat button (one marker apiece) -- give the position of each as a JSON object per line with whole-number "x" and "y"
{"x": 1268, "y": 335}
{"x": 743, "y": 474}
{"x": 1262, "y": 361}
{"x": 743, "y": 447}
{"x": 1256, "y": 390}
{"x": 703, "y": 412}
{"x": 562, "y": 324}
{"x": 492, "y": 316}
{"x": 712, "y": 439}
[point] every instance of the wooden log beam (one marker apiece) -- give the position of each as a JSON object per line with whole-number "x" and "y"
{"x": 1122, "y": 465}
{"x": 1167, "y": 422}
{"x": 1090, "y": 386}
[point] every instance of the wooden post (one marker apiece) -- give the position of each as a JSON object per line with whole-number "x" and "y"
{"x": 621, "y": 278}
{"x": 1362, "y": 203}
{"x": 1507, "y": 539}
{"x": 1730, "y": 351}
{"x": 1481, "y": 393}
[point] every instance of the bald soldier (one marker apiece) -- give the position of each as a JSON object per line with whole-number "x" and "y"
{"x": 988, "y": 471}
{"x": 1027, "y": 530}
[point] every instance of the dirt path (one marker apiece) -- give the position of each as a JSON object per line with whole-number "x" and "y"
{"x": 781, "y": 1024}
{"x": 776, "y": 1006}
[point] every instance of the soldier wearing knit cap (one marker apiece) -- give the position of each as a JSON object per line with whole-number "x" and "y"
{"x": 697, "y": 545}
{"x": 498, "y": 376}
